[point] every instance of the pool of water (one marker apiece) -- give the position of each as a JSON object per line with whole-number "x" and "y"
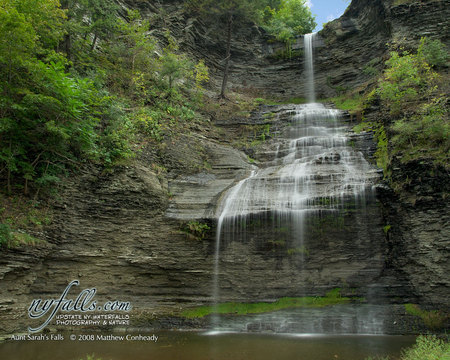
{"x": 208, "y": 346}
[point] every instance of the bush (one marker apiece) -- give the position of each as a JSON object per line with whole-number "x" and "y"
{"x": 434, "y": 52}
{"x": 433, "y": 319}
{"x": 424, "y": 133}
{"x": 196, "y": 230}
{"x": 5, "y": 234}
{"x": 427, "y": 348}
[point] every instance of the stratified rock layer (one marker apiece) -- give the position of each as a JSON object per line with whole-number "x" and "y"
{"x": 121, "y": 232}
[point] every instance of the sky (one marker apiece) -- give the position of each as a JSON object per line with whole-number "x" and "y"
{"x": 327, "y": 10}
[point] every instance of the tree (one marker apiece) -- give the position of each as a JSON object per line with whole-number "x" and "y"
{"x": 229, "y": 12}
{"x": 48, "y": 117}
{"x": 291, "y": 19}
{"x": 88, "y": 22}
{"x": 28, "y": 28}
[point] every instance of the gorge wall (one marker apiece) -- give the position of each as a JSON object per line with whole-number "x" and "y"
{"x": 121, "y": 231}
{"x": 362, "y": 34}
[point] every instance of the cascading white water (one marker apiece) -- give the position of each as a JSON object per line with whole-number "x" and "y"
{"x": 309, "y": 66}
{"x": 314, "y": 170}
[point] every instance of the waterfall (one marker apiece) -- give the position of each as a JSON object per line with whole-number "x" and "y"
{"x": 313, "y": 171}
{"x": 309, "y": 66}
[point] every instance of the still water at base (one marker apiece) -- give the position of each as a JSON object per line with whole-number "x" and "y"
{"x": 201, "y": 346}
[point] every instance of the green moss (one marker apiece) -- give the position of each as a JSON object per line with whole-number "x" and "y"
{"x": 346, "y": 102}
{"x": 400, "y": 2}
{"x": 332, "y": 298}
{"x": 251, "y": 160}
{"x": 386, "y": 228}
{"x": 433, "y": 319}
{"x": 327, "y": 223}
{"x": 382, "y": 154}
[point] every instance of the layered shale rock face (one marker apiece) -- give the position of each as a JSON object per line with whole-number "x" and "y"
{"x": 111, "y": 233}
{"x": 362, "y": 37}
{"x": 123, "y": 231}
{"x": 344, "y": 48}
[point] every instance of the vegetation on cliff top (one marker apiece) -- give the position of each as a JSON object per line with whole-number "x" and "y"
{"x": 67, "y": 98}
{"x": 85, "y": 82}
{"x": 412, "y": 92}
{"x": 81, "y": 84}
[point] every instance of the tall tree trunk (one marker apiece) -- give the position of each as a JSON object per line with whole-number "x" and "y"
{"x": 94, "y": 42}
{"x": 227, "y": 59}
{"x": 68, "y": 46}
{"x": 8, "y": 186}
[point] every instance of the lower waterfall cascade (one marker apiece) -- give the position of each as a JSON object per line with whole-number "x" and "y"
{"x": 311, "y": 176}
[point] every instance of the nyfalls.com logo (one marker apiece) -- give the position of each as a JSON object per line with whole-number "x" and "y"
{"x": 84, "y": 303}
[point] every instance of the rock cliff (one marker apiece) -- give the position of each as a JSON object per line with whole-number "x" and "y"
{"x": 122, "y": 231}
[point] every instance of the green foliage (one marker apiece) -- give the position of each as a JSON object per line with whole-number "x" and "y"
{"x": 413, "y": 93}
{"x": 201, "y": 75}
{"x": 425, "y": 133}
{"x": 88, "y": 22}
{"x": 352, "y": 103}
{"x": 427, "y": 348}
{"x": 91, "y": 357}
{"x": 196, "y": 230}
{"x": 340, "y": 89}
{"x": 369, "y": 69}
{"x": 293, "y": 100}
{"x": 265, "y": 132}
{"x": 19, "y": 218}
{"x": 402, "y": 81}
{"x": 332, "y": 298}
{"x": 60, "y": 110}
{"x": 148, "y": 122}
{"x": 407, "y": 79}
{"x": 292, "y": 18}
{"x": 400, "y": 2}
{"x": 5, "y": 234}
{"x": 287, "y": 53}
{"x": 434, "y": 319}
{"x": 382, "y": 154}
{"x": 434, "y": 52}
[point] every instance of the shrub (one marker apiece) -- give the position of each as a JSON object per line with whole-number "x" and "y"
{"x": 434, "y": 52}
{"x": 427, "y": 348}
{"x": 433, "y": 319}
{"x": 196, "y": 229}
{"x": 5, "y": 234}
